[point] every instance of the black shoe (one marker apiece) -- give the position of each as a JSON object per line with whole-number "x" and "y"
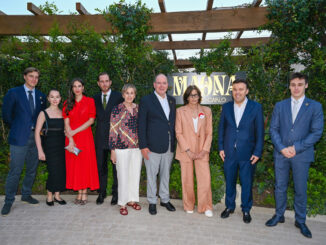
{"x": 61, "y": 202}
{"x": 152, "y": 209}
{"x": 30, "y": 200}
{"x": 168, "y": 206}
{"x": 51, "y": 203}
{"x": 226, "y": 213}
{"x": 100, "y": 199}
{"x": 114, "y": 200}
{"x": 274, "y": 220}
{"x": 303, "y": 228}
{"x": 6, "y": 209}
{"x": 246, "y": 217}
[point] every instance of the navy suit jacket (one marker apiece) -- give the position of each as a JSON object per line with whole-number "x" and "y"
{"x": 154, "y": 128}
{"x": 17, "y": 114}
{"x": 248, "y": 137}
{"x": 303, "y": 133}
{"x": 103, "y": 118}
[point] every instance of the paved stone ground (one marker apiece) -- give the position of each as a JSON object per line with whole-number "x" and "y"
{"x": 92, "y": 224}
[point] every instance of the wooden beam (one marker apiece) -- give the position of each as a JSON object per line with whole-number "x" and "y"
{"x": 2, "y": 13}
{"x": 162, "y": 23}
{"x": 183, "y": 64}
{"x": 161, "y": 3}
{"x": 243, "y": 42}
{"x": 209, "y": 6}
{"x": 81, "y": 10}
{"x": 33, "y": 9}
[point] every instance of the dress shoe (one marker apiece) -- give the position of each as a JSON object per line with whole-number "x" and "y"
{"x": 274, "y": 220}
{"x": 29, "y": 199}
{"x": 100, "y": 199}
{"x": 152, "y": 209}
{"x": 49, "y": 203}
{"x": 303, "y": 228}
{"x": 6, "y": 209}
{"x": 168, "y": 206}
{"x": 114, "y": 200}
{"x": 61, "y": 202}
{"x": 246, "y": 217}
{"x": 226, "y": 213}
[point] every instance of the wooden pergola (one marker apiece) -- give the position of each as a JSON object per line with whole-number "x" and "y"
{"x": 212, "y": 20}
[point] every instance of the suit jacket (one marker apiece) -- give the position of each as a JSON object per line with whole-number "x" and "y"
{"x": 103, "y": 118}
{"x": 17, "y": 114}
{"x": 186, "y": 136}
{"x": 248, "y": 137}
{"x": 303, "y": 133}
{"x": 154, "y": 128}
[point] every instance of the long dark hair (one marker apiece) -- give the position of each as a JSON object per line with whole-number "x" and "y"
{"x": 71, "y": 96}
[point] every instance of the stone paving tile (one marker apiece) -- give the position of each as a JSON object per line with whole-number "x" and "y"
{"x": 92, "y": 225}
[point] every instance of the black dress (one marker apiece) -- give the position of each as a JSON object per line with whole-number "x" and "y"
{"x": 54, "y": 144}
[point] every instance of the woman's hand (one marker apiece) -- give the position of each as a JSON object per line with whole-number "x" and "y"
{"x": 41, "y": 155}
{"x": 113, "y": 157}
{"x": 69, "y": 133}
{"x": 71, "y": 146}
{"x": 201, "y": 154}
{"x": 191, "y": 155}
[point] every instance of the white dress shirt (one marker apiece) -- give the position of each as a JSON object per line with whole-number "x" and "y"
{"x": 195, "y": 120}
{"x": 107, "y": 96}
{"x": 27, "y": 94}
{"x": 164, "y": 103}
{"x": 299, "y": 104}
{"x": 239, "y": 110}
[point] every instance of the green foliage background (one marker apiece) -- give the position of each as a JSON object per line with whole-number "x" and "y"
{"x": 298, "y": 28}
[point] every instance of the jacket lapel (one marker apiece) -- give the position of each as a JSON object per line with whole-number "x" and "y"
{"x": 25, "y": 102}
{"x": 247, "y": 111}
{"x": 157, "y": 104}
{"x": 303, "y": 108}
{"x": 231, "y": 110}
{"x": 38, "y": 100}
{"x": 200, "y": 120}
{"x": 288, "y": 111}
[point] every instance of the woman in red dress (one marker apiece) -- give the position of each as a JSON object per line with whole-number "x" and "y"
{"x": 79, "y": 114}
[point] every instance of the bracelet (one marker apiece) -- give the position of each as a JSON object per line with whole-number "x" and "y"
{"x": 187, "y": 150}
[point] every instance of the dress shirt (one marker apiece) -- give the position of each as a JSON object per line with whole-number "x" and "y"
{"x": 299, "y": 101}
{"x": 195, "y": 120}
{"x": 164, "y": 103}
{"x": 27, "y": 94}
{"x": 107, "y": 96}
{"x": 239, "y": 110}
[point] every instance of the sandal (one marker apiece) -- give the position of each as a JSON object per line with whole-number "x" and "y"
{"x": 123, "y": 211}
{"x": 77, "y": 201}
{"x": 135, "y": 206}
{"x": 83, "y": 202}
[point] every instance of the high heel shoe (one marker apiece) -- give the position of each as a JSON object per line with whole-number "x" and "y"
{"x": 61, "y": 202}
{"x": 83, "y": 202}
{"x": 51, "y": 203}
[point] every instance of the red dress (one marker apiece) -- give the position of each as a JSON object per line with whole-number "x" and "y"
{"x": 81, "y": 170}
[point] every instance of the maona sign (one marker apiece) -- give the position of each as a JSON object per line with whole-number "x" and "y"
{"x": 215, "y": 89}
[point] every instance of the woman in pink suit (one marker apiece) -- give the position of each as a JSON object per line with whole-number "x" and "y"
{"x": 193, "y": 129}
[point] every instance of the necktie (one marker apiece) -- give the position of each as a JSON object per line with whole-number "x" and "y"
{"x": 295, "y": 110}
{"x": 31, "y": 101}
{"x": 104, "y": 101}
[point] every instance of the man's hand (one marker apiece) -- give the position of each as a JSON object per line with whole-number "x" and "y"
{"x": 292, "y": 150}
{"x": 222, "y": 155}
{"x": 288, "y": 152}
{"x": 113, "y": 157}
{"x": 145, "y": 153}
{"x": 254, "y": 159}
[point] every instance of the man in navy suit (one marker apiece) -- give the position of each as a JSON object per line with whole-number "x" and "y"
{"x": 297, "y": 124}
{"x": 20, "y": 109}
{"x": 240, "y": 140}
{"x": 104, "y": 102}
{"x": 157, "y": 141}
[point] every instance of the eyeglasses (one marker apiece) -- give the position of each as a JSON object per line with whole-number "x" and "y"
{"x": 194, "y": 96}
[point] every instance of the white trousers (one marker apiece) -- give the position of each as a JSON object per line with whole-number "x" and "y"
{"x": 128, "y": 165}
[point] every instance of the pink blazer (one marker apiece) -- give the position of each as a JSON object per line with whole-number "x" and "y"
{"x": 185, "y": 132}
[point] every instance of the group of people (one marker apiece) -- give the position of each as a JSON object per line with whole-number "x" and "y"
{"x": 129, "y": 133}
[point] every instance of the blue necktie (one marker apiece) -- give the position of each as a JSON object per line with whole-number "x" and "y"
{"x": 31, "y": 101}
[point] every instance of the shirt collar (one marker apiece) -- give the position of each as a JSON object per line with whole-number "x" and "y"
{"x": 243, "y": 103}
{"x": 159, "y": 96}
{"x": 108, "y": 93}
{"x": 27, "y": 89}
{"x": 299, "y": 100}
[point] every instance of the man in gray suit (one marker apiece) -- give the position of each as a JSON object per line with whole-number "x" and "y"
{"x": 297, "y": 124}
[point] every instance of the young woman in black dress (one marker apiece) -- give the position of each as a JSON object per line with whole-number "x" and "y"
{"x": 52, "y": 150}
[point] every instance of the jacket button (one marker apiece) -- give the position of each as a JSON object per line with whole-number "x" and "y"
{"x": 291, "y": 129}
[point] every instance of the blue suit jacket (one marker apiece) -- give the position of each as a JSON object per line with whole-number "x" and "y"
{"x": 17, "y": 114}
{"x": 154, "y": 128}
{"x": 248, "y": 137}
{"x": 303, "y": 133}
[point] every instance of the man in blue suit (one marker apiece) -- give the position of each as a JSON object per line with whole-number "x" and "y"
{"x": 297, "y": 124}
{"x": 20, "y": 109}
{"x": 157, "y": 141}
{"x": 240, "y": 140}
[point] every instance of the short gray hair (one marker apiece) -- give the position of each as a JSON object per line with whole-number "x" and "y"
{"x": 128, "y": 85}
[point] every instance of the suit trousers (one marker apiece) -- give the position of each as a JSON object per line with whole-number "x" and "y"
{"x": 18, "y": 156}
{"x": 129, "y": 163}
{"x": 102, "y": 167}
{"x": 246, "y": 174}
{"x": 204, "y": 191}
{"x": 300, "y": 172}
{"x": 158, "y": 163}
